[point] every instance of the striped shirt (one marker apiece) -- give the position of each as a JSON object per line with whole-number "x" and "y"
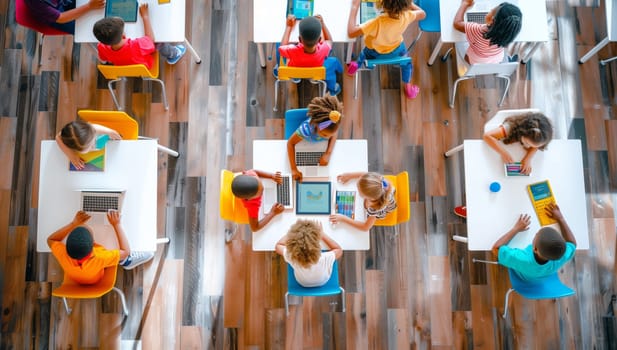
{"x": 480, "y": 50}
{"x": 383, "y": 211}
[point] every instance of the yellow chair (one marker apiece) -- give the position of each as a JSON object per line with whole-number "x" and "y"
{"x": 401, "y": 213}
{"x": 118, "y": 73}
{"x": 316, "y": 75}
{"x": 230, "y": 206}
{"x": 126, "y": 126}
{"x": 74, "y": 290}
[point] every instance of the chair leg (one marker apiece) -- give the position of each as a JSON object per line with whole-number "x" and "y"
{"x": 505, "y": 91}
{"x": 505, "y": 306}
{"x": 66, "y": 306}
{"x": 287, "y": 304}
{"x": 453, "y": 95}
{"x": 485, "y": 261}
{"x": 110, "y": 85}
{"x": 162, "y": 91}
{"x": 167, "y": 150}
{"x": 125, "y": 309}
{"x": 162, "y": 240}
{"x": 435, "y": 52}
{"x": 276, "y": 95}
{"x": 453, "y": 150}
{"x": 355, "y": 85}
{"x": 342, "y": 299}
{"x": 324, "y": 87}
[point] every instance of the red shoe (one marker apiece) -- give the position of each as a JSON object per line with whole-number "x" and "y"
{"x": 352, "y": 68}
{"x": 461, "y": 211}
{"x": 411, "y": 91}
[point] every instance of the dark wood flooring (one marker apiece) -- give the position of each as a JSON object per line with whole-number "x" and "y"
{"x": 415, "y": 288}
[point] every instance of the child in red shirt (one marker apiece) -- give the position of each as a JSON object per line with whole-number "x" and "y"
{"x": 117, "y": 49}
{"x": 248, "y": 186}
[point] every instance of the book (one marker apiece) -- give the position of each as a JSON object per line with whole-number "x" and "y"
{"x": 95, "y": 159}
{"x": 541, "y": 196}
{"x": 345, "y": 203}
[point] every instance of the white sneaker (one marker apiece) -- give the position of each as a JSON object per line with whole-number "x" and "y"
{"x": 136, "y": 258}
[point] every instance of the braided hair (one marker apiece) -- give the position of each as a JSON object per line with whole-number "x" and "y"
{"x": 506, "y": 25}
{"x": 325, "y": 113}
{"x": 77, "y": 134}
{"x": 535, "y": 126}
{"x": 394, "y": 7}
{"x": 303, "y": 242}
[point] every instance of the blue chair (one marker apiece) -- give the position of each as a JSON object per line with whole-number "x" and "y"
{"x": 547, "y": 288}
{"x": 372, "y": 63}
{"x": 331, "y": 287}
{"x": 293, "y": 119}
{"x": 430, "y": 24}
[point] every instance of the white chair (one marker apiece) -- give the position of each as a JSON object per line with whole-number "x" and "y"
{"x": 466, "y": 71}
{"x": 494, "y": 122}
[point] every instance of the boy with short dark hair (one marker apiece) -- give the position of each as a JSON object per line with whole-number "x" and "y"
{"x": 310, "y": 51}
{"x": 249, "y": 188}
{"x": 117, "y": 49}
{"x": 549, "y": 251}
{"x": 84, "y": 260}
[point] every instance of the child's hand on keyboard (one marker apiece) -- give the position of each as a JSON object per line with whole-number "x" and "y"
{"x": 277, "y": 208}
{"x": 277, "y": 177}
{"x": 325, "y": 159}
{"x": 296, "y": 174}
{"x": 522, "y": 224}
{"x": 553, "y": 211}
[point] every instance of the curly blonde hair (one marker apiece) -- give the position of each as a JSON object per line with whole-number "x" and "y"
{"x": 372, "y": 187}
{"x": 303, "y": 242}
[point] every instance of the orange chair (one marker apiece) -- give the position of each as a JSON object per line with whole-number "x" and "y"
{"x": 401, "y": 213}
{"x": 230, "y": 206}
{"x": 119, "y": 73}
{"x": 74, "y": 290}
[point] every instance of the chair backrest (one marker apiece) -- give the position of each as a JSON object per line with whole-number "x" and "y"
{"x": 432, "y": 22}
{"x": 546, "y": 288}
{"x": 131, "y": 70}
{"x": 126, "y": 126}
{"x": 286, "y": 72}
{"x": 330, "y": 288}
{"x": 371, "y": 63}
{"x": 500, "y": 116}
{"x": 231, "y": 207}
{"x": 74, "y": 290}
{"x": 25, "y": 18}
{"x": 505, "y": 69}
{"x": 401, "y": 213}
{"x": 293, "y": 119}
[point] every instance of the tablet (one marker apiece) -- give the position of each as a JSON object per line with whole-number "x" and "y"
{"x": 368, "y": 10}
{"x": 300, "y": 8}
{"x": 313, "y": 198}
{"x": 541, "y": 196}
{"x": 125, "y": 9}
{"x": 345, "y": 203}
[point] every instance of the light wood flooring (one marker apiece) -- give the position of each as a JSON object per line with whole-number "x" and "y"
{"x": 414, "y": 289}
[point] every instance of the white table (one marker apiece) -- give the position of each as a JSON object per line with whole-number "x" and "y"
{"x": 490, "y": 215}
{"x": 347, "y": 156}
{"x": 533, "y": 30}
{"x": 269, "y": 22}
{"x": 168, "y": 22}
{"x": 129, "y": 165}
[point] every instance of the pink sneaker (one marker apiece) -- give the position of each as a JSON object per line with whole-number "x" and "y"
{"x": 352, "y": 68}
{"x": 411, "y": 91}
{"x": 461, "y": 211}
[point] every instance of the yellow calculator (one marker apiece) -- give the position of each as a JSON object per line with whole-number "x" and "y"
{"x": 541, "y": 196}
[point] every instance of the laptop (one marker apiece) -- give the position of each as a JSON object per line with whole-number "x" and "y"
{"x": 300, "y": 8}
{"x": 275, "y": 193}
{"x": 307, "y": 159}
{"x": 97, "y": 202}
{"x": 368, "y": 10}
{"x": 541, "y": 196}
{"x": 125, "y": 9}
{"x": 477, "y": 13}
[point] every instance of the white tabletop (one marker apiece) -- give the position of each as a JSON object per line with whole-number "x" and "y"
{"x": 129, "y": 165}
{"x": 490, "y": 215}
{"x": 347, "y": 156}
{"x": 534, "y": 27}
{"x": 167, "y": 22}
{"x": 269, "y": 18}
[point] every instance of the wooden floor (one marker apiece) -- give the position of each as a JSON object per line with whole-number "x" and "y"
{"x": 415, "y": 288}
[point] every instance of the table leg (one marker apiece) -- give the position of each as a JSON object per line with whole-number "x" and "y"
{"x": 349, "y": 52}
{"x": 594, "y": 50}
{"x": 192, "y": 51}
{"x": 435, "y": 52}
{"x": 261, "y": 54}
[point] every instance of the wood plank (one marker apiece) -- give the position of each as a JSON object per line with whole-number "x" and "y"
{"x": 594, "y": 128}
{"x": 482, "y": 318}
{"x": 191, "y": 338}
{"x": 398, "y": 336}
{"x": 611, "y": 146}
{"x": 462, "y": 330}
{"x": 376, "y": 316}
{"x": 7, "y": 149}
{"x": 275, "y": 329}
{"x": 434, "y": 162}
{"x": 13, "y": 300}
{"x": 235, "y": 279}
{"x": 356, "y": 321}
{"x": 441, "y": 304}
{"x": 254, "y": 300}
{"x": 110, "y": 327}
{"x": 293, "y": 327}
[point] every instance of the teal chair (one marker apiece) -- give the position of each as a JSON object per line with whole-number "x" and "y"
{"x": 293, "y": 119}
{"x": 547, "y": 288}
{"x": 430, "y": 24}
{"x": 332, "y": 287}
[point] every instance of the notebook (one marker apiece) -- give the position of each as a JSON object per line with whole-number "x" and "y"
{"x": 300, "y": 8}
{"x": 125, "y": 9}
{"x": 307, "y": 155}
{"x": 97, "y": 202}
{"x": 275, "y": 193}
{"x": 345, "y": 203}
{"x": 513, "y": 169}
{"x": 541, "y": 196}
{"x": 95, "y": 159}
{"x": 368, "y": 10}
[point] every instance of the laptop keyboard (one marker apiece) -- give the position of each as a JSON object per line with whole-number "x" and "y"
{"x": 92, "y": 203}
{"x": 282, "y": 191}
{"x": 477, "y": 17}
{"x": 308, "y": 158}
